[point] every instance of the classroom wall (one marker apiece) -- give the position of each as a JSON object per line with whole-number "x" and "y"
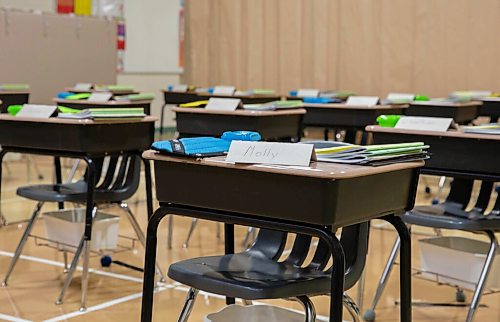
{"x": 371, "y": 47}
{"x": 50, "y": 52}
{"x": 42, "y": 5}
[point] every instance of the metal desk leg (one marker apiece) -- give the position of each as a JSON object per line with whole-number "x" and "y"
{"x": 229, "y": 249}
{"x": 89, "y": 217}
{"x": 338, "y": 274}
{"x": 57, "y": 167}
{"x": 149, "y": 192}
{"x": 162, "y": 118}
{"x": 3, "y": 220}
{"x": 484, "y": 276}
{"x": 149, "y": 265}
{"x": 405, "y": 265}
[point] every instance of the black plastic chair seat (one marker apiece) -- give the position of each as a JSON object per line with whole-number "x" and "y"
{"x": 72, "y": 192}
{"x": 250, "y": 277}
{"x": 449, "y": 216}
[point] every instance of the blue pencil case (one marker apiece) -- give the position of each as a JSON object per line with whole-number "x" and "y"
{"x": 63, "y": 95}
{"x": 204, "y": 146}
{"x": 320, "y": 100}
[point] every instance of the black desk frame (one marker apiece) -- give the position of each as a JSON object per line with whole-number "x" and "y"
{"x": 90, "y": 204}
{"x": 323, "y": 232}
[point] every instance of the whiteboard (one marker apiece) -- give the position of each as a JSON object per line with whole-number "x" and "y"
{"x": 152, "y": 36}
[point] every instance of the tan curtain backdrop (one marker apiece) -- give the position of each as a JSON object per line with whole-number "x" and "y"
{"x": 369, "y": 46}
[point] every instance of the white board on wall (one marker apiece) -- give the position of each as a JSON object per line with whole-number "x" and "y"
{"x": 152, "y": 36}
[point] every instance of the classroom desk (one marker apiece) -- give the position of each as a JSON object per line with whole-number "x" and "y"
{"x": 460, "y": 112}
{"x": 272, "y": 125}
{"x": 453, "y": 153}
{"x": 114, "y": 92}
{"x": 83, "y": 104}
{"x": 176, "y": 98}
{"x": 80, "y": 139}
{"x": 490, "y": 107}
{"x": 9, "y": 97}
{"x": 313, "y": 201}
{"x": 350, "y": 117}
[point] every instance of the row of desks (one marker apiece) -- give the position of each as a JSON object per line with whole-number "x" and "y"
{"x": 309, "y": 201}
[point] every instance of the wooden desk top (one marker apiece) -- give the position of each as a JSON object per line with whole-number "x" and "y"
{"x": 13, "y": 92}
{"x": 110, "y": 103}
{"x": 239, "y": 112}
{"x": 446, "y": 104}
{"x": 93, "y": 90}
{"x": 484, "y": 99}
{"x": 451, "y": 134}
{"x": 55, "y": 120}
{"x": 322, "y": 170}
{"x": 228, "y": 96}
{"x": 356, "y": 107}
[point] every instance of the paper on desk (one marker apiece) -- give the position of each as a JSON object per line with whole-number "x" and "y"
{"x": 362, "y": 100}
{"x": 100, "y": 97}
{"x": 308, "y": 92}
{"x": 83, "y": 86}
{"x": 270, "y": 153}
{"x": 224, "y": 90}
{"x": 36, "y": 111}
{"x": 223, "y": 104}
{"x": 438, "y": 124}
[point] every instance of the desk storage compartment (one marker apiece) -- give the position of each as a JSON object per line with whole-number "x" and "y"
{"x": 254, "y": 313}
{"x": 457, "y": 261}
{"x": 65, "y": 228}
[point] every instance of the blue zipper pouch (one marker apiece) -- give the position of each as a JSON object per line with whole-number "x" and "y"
{"x": 203, "y": 146}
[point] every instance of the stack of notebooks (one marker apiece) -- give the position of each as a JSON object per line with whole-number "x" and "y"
{"x": 135, "y": 97}
{"x": 273, "y": 106}
{"x": 373, "y": 155}
{"x": 492, "y": 128}
{"x": 103, "y": 114}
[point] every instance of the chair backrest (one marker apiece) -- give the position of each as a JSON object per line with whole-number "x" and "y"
{"x": 119, "y": 180}
{"x": 354, "y": 240}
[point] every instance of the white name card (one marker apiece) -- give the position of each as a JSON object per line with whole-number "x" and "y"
{"x": 224, "y": 90}
{"x": 438, "y": 124}
{"x": 37, "y": 111}
{"x": 308, "y": 92}
{"x": 362, "y": 100}
{"x": 100, "y": 97}
{"x": 401, "y": 97}
{"x": 83, "y": 86}
{"x": 223, "y": 104}
{"x": 180, "y": 88}
{"x": 270, "y": 153}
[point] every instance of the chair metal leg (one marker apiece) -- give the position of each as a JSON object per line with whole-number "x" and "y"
{"x": 217, "y": 234}
{"x": 309, "y": 309}
{"x": 246, "y": 302}
{"x": 352, "y": 308}
{"x": 73, "y": 170}
{"x": 170, "y": 233}
{"x": 249, "y": 237}
{"x": 188, "y": 305}
{"x": 361, "y": 289}
{"x": 483, "y": 277}
{"x": 22, "y": 242}
{"x": 139, "y": 233}
{"x": 65, "y": 257}
{"x": 71, "y": 271}
{"x": 370, "y": 313}
{"x": 194, "y": 223}
{"x": 85, "y": 274}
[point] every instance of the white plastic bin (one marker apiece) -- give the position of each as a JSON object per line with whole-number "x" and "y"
{"x": 67, "y": 226}
{"x": 254, "y": 313}
{"x": 457, "y": 261}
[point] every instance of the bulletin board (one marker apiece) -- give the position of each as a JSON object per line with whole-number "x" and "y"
{"x": 152, "y": 33}
{"x": 51, "y": 52}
